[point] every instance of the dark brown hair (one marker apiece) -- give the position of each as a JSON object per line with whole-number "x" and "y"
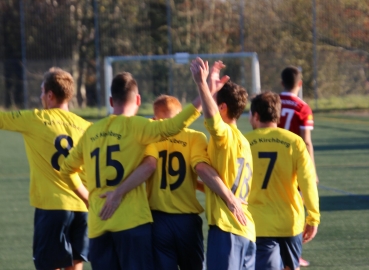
{"x": 235, "y": 96}
{"x": 290, "y": 77}
{"x": 123, "y": 88}
{"x": 268, "y": 106}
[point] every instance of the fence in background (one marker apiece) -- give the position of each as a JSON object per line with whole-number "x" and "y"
{"x": 328, "y": 39}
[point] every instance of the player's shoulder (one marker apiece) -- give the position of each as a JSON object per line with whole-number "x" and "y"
{"x": 278, "y": 132}
{"x": 191, "y": 135}
{"x": 78, "y": 119}
{"x": 288, "y": 98}
{"x": 193, "y": 132}
{"x": 286, "y": 135}
{"x": 241, "y": 138}
{"x": 249, "y": 135}
{"x": 99, "y": 124}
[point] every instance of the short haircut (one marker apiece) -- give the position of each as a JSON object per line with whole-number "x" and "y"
{"x": 123, "y": 88}
{"x": 59, "y": 82}
{"x": 235, "y": 96}
{"x": 290, "y": 77}
{"x": 268, "y": 106}
{"x": 164, "y": 105}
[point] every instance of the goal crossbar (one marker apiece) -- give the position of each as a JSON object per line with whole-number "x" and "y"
{"x": 184, "y": 58}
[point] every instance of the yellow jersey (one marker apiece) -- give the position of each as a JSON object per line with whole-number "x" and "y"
{"x": 110, "y": 150}
{"x": 281, "y": 165}
{"x": 49, "y": 135}
{"x": 230, "y": 155}
{"x": 172, "y": 187}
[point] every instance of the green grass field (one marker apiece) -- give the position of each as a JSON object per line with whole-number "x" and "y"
{"x": 342, "y": 156}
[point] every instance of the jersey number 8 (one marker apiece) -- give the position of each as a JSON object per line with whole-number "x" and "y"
{"x": 61, "y": 150}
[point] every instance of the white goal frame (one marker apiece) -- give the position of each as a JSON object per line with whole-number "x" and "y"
{"x": 179, "y": 58}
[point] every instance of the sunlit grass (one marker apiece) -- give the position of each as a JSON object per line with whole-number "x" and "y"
{"x": 340, "y": 103}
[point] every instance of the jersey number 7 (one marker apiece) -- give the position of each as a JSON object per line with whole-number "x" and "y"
{"x": 273, "y": 157}
{"x": 289, "y": 113}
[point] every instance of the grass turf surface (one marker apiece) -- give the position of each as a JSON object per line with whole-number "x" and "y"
{"x": 341, "y": 145}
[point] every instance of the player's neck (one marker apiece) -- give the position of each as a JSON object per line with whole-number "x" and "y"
{"x": 229, "y": 121}
{"x": 267, "y": 125}
{"x": 294, "y": 91}
{"x": 125, "y": 110}
{"x": 63, "y": 106}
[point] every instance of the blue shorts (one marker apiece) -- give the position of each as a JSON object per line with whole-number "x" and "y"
{"x": 178, "y": 241}
{"x": 278, "y": 252}
{"x": 128, "y": 249}
{"x": 227, "y": 251}
{"x": 59, "y": 238}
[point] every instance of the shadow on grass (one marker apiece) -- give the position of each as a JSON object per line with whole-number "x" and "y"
{"x": 341, "y": 147}
{"x": 349, "y": 129}
{"x": 344, "y": 202}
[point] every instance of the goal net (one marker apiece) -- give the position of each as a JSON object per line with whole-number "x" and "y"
{"x": 170, "y": 74}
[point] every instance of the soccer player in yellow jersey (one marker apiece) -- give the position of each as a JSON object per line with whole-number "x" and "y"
{"x": 60, "y": 221}
{"x": 111, "y": 149}
{"x": 231, "y": 245}
{"x": 177, "y": 227}
{"x": 281, "y": 164}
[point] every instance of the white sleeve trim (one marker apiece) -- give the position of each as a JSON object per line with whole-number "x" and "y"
{"x": 307, "y": 127}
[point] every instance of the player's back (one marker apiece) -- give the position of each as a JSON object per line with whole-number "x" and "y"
{"x": 172, "y": 187}
{"x": 295, "y": 113}
{"x": 281, "y": 163}
{"x": 112, "y": 149}
{"x": 230, "y": 155}
{"x": 48, "y": 135}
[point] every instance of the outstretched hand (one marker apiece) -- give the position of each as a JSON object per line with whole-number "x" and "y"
{"x": 111, "y": 204}
{"x": 235, "y": 206}
{"x": 214, "y": 81}
{"x": 199, "y": 70}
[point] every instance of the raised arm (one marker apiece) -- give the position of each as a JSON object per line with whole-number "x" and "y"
{"x": 147, "y": 131}
{"x": 136, "y": 178}
{"x": 211, "y": 178}
{"x": 200, "y": 72}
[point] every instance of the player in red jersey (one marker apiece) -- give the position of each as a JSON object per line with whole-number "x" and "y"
{"x": 296, "y": 115}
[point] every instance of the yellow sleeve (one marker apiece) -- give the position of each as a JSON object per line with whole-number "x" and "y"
{"x": 216, "y": 127}
{"x": 72, "y": 166}
{"x": 152, "y": 151}
{"x": 148, "y": 131}
{"x": 19, "y": 121}
{"x": 306, "y": 179}
{"x": 199, "y": 150}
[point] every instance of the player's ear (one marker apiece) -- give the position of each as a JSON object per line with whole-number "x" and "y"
{"x": 282, "y": 84}
{"x": 257, "y": 116}
{"x": 300, "y": 83}
{"x": 111, "y": 101}
{"x": 50, "y": 95}
{"x": 223, "y": 107}
{"x": 138, "y": 100}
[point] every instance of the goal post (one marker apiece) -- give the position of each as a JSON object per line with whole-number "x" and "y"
{"x": 149, "y": 71}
